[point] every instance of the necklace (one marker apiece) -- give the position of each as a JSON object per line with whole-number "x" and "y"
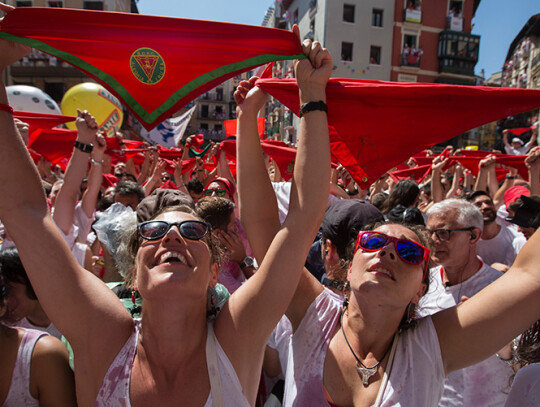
{"x": 364, "y": 371}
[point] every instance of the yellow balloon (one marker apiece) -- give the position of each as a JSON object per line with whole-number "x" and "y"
{"x": 99, "y": 102}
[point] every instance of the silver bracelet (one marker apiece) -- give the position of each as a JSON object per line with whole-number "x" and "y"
{"x": 98, "y": 163}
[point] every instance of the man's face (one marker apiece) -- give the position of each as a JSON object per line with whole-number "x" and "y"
{"x": 453, "y": 251}
{"x": 54, "y": 192}
{"x": 516, "y": 145}
{"x": 485, "y": 204}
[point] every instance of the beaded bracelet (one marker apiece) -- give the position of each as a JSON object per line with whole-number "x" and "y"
{"x": 6, "y": 108}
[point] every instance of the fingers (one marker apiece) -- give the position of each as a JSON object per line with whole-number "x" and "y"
{"x": 296, "y": 31}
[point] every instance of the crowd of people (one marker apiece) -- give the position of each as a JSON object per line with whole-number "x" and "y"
{"x": 125, "y": 284}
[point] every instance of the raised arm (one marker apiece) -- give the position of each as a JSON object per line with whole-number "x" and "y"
{"x": 485, "y": 167}
{"x": 253, "y": 310}
{"x": 81, "y": 306}
{"x": 64, "y": 207}
{"x": 533, "y": 165}
{"x": 95, "y": 176}
{"x": 480, "y": 326}
{"x": 437, "y": 165}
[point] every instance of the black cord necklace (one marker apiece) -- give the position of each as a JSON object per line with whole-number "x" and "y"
{"x": 364, "y": 371}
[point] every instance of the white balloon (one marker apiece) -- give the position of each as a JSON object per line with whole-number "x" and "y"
{"x": 30, "y": 99}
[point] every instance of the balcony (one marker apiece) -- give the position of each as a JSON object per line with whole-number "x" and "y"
{"x": 412, "y": 16}
{"x": 44, "y": 68}
{"x": 458, "y": 52}
{"x": 410, "y": 60}
{"x": 219, "y": 116}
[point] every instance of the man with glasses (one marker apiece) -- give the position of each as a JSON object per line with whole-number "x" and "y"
{"x": 455, "y": 227}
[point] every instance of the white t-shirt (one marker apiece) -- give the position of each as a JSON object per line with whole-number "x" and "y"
{"x": 525, "y": 391}
{"x": 483, "y": 384}
{"x": 503, "y": 248}
{"x": 283, "y": 193}
{"x": 417, "y": 373}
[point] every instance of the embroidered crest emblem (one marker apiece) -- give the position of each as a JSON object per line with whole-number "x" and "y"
{"x": 147, "y": 66}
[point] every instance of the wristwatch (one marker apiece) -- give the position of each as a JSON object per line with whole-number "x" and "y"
{"x": 247, "y": 262}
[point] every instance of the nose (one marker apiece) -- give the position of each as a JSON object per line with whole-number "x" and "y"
{"x": 389, "y": 249}
{"x": 173, "y": 234}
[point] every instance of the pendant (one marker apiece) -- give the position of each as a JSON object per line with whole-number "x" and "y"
{"x": 366, "y": 373}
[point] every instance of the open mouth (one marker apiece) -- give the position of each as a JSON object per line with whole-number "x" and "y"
{"x": 171, "y": 258}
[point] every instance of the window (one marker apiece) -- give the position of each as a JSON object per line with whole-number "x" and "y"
{"x": 93, "y": 5}
{"x": 219, "y": 93}
{"x": 23, "y": 4}
{"x": 377, "y": 18}
{"x": 204, "y": 111}
{"x": 409, "y": 40}
{"x": 346, "y": 51}
{"x": 411, "y": 53}
{"x": 456, "y": 8}
{"x": 348, "y": 13}
{"x": 375, "y": 55}
{"x": 56, "y": 4}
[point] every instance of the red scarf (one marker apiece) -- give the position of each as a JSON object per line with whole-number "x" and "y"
{"x": 154, "y": 65}
{"x": 380, "y": 124}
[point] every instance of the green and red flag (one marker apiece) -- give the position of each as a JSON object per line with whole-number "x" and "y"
{"x": 155, "y": 65}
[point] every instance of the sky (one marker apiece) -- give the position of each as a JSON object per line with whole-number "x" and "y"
{"x": 497, "y": 21}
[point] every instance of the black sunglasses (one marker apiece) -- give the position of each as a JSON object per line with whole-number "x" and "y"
{"x": 189, "y": 229}
{"x": 407, "y": 250}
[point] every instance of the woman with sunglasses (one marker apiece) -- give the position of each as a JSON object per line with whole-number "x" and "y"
{"x": 173, "y": 357}
{"x": 369, "y": 351}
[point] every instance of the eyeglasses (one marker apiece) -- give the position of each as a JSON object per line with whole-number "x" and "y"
{"x": 444, "y": 234}
{"x": 408, "y": 251}
{"x": 219, "y": 192}
{"x": 189, "y": 229}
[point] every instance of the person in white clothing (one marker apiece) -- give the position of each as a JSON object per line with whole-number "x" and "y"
{"x": 455, "y": 226}
{"x": 499, "y": 244}
{"x": 517, "y": 146}
{"x": 363, "y": 354}
{"x": 175, "y": 265}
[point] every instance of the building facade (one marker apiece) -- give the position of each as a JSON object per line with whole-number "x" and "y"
{"x": 358, "y": 34}
{"x": 433, "y": 41}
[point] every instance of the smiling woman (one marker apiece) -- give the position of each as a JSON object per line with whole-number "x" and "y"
{"x": 174, "y": 355}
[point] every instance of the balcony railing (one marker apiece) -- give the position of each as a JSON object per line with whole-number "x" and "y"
{"x": 410, "y": 60}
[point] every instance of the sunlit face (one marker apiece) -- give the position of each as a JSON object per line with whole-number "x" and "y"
{"x": 119, "y": 169}
{"x": 455, "y": 251}
{"x": 18, "y": 304}
{"x": 54, "y": 192}
{"x": 384, "y": 270}
{"x": 219, "y": 185}
{"x": 485, "y": 204}
{"x": 174, "y": 266}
